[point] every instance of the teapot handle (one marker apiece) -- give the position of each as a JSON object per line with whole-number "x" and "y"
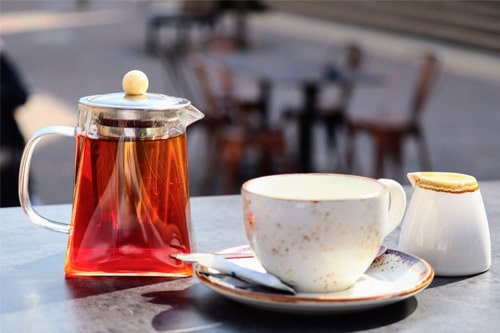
{"x": 397, "y": 204}
{"x": 24, "y": 196}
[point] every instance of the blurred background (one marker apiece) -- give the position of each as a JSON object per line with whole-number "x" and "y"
{"x": 326, "y": 86}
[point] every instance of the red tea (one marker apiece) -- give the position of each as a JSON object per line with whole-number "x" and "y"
{"x": 130, "y": 207}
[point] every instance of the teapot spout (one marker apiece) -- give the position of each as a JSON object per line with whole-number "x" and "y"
{"x": 191, "y": 115}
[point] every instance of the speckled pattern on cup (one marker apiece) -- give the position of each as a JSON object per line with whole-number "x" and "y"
{"x": 319, "y": 232}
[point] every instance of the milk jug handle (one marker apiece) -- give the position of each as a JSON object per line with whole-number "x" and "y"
{"x": 24, "y": 172}
{"x": 397, "y": 204}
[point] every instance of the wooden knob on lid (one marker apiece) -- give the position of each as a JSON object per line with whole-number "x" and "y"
{"x": 135, "y": 82}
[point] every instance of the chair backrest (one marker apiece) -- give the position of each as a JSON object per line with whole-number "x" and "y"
{"x": 199, "y": 89}
{"x": 352, "y": 63}
{"x": 426, "y": 80}
{"x": 205, "y": 86}
{"x": 187, "y": 78}
{"x": 354, "y": 57}
{"x": 200, "y": 8}
{"x": 215, "y": 86}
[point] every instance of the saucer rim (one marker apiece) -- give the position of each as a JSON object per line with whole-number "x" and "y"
{"x": 307, "y": 302}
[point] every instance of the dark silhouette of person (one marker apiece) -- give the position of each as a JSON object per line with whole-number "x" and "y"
{"x": 13, "y": 94}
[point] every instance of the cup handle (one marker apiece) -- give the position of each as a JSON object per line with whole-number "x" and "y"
{"x": 397, "y": 204}
{"x": 24, "y": 196}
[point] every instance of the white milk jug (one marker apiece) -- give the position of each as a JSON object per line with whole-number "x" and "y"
{"x": 446, "y": 224}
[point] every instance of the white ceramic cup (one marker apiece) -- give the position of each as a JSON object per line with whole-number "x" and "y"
{"x": 319, "y": 232}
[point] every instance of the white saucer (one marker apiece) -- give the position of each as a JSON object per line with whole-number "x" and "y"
{"x": 392, "y": 277}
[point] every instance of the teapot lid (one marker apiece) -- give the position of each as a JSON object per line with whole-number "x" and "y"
{"x": 135, "y": 96}
{"x": 134, "y": 113}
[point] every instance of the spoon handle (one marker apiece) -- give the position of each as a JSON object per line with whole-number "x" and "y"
{"x": 230, "y": 268}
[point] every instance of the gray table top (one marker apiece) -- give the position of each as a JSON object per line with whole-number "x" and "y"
{"x": 35, "y": 296}
{"x": 272, "y": 66}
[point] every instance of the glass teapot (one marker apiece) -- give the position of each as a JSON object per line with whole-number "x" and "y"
{"x": 131, "y": 188}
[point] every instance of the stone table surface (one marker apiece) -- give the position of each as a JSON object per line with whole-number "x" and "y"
{"x": 35, "y": 296}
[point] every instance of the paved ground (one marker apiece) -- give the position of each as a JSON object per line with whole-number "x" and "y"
{"x": 65, "y": 52}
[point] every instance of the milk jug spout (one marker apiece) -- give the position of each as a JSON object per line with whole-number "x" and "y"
{"x": 413, "y": 177}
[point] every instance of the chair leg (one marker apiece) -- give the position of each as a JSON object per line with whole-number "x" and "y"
{"x": 265, "y": 161}
{"x": 350, "y": 147}
{"x": 232, "y": 155}
{"x": 209, "y": 181}
{"x": 330, "y": 134}
{"x": 152, "y": 36}
{"x": 395, "y": 142}
{"x": 379, "y": 155}
{"x": 425, "y": 160}
{"x": 270, "y": 147}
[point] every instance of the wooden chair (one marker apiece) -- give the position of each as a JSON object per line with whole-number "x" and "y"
{"x": 388, "y": 131}
{"x": 237, "y": 144}
{"x": 233, "y": 125}
{"x": 333, "y": 116}
{"x": 189, "y": 15}
{"x": 242, "y": 138}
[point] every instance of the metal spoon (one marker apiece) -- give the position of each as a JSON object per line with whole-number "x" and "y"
{"x": 230, "y": 268}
